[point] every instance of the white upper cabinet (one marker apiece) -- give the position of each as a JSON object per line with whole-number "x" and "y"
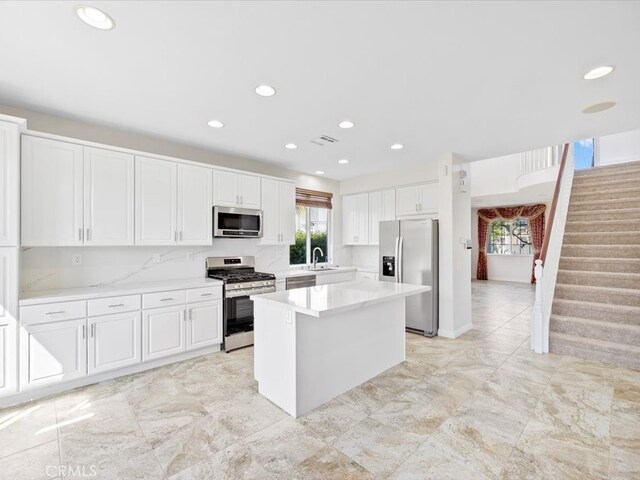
{"x": 417, "y": 199}
{"x": 173, "y": 203}
{"x": 225, "y": 188}
{"x": 249, "y": 191}
{"x": 108, "y": 197}
{"x": 388, "y": 211}
{"x": 278, "y": 210}
{"x": 382, "y": 207}
{"x": 375, "y": 214}
{"x": 74, "y": 195}
{"x": 9, "y": 198}
{"x": 236, "y": 190}
{"x": 156, "y": 182}
{"x": 355, "y": 219}
{"x": 52, "y": 193}
{"x": 428, "y": 197}
{"x": 194, "y": 205}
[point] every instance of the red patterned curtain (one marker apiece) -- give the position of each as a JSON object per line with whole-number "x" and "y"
{"x": 535, "y": 216}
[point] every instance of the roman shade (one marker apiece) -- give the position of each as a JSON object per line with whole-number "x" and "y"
{"x": 313, "y": 198}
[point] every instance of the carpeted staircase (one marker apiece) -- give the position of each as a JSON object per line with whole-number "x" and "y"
{"x": 596, "y": 308}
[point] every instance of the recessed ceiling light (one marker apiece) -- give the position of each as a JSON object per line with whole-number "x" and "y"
{"x": 265, "y": 91}
{"x": 343, "y": 161}
{"x": 599, "y": 107}
{"x": 291, "y": 146}
{"x": 598, "y": 72}
{"x": 319, "y": 172}
{"x": 215, "y": 124}
{"x": 397, "y": 146}
{"x": 346, "y": 124}
{"x": 95, "y": 17}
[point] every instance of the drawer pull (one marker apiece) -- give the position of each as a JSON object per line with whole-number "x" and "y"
{"x": 205, "y": 294}
{"x": 166, "y": 299}
{"x": 116, "y": 305}
{"x": 55, "y": 313}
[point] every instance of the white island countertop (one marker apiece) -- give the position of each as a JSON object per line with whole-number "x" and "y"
{"x": 87, "y": 293}
{"x": 324, "y": 300}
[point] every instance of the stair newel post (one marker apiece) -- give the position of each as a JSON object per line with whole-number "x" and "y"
{"x": 537, "y": 324}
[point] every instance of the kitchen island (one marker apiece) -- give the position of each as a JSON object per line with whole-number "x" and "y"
{"x": 313, "y": 344}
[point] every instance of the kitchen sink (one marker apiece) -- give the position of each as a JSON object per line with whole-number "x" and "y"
{"x": 320, "y": 269}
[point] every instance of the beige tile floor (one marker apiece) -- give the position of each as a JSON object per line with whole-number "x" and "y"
{"x": 479, "y": 407}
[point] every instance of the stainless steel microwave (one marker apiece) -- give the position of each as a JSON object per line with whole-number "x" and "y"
{"x": 237, "y": 222}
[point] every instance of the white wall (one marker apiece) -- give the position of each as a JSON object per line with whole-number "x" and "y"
{"x": 619, "y": 148}
{"x": 454, "y": 211}
{"x": 45, "y": 268}
{"x": 495, "y": 175}
{"x": 425, "y": 171}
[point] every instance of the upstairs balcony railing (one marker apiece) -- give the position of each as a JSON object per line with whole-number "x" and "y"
{"x": 540, "y": 159}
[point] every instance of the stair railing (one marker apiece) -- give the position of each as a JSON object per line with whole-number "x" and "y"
{"x": 546, "y": 269}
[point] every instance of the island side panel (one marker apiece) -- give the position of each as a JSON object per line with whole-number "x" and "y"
{"x": 336, "y": 353}
{"x": 275, "y": 354}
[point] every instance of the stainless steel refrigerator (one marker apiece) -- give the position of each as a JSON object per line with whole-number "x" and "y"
{"x": 409, "y": 254}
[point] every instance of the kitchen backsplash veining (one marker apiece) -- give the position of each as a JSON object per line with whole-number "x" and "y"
{"x": 45, "y": 268}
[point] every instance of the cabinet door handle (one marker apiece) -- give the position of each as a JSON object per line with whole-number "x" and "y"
{"x": 55, "y": 313}
{"x": 93, "y": 330}
{"x": 166, "y": 299}
{"x": 116, "y": 305}
{"x": 241, "y": 202}
{"x": 88, "y": 237}
{"x": 191, "y": 314}
{"x": 79, "y": 234}
{"x": 180, "y": 235}
{"x": 84, "y": 332}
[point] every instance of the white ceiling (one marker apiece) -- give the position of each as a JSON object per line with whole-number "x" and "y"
{"x": 478, "y": 79}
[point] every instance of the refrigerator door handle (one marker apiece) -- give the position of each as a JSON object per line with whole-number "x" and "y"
{"x": 399, "y": 260}
{"x": 397, "y": 253}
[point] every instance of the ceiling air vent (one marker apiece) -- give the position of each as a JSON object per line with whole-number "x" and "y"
{"x": 324, "y": 140}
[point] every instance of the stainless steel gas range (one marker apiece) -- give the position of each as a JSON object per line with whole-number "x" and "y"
{"x": 240, "y": 281}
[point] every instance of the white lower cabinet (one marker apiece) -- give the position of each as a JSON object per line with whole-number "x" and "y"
{"x": 7, "y": 360}
{"x": 204, "y": 324}
{"x": 114, "y": 342}
{"x": 52, "y": 353}
{"x": 163, "y": 332}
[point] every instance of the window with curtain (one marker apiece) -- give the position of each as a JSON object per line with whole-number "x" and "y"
{"x": 509, "y": 237}
{"x": 313, "y": 219}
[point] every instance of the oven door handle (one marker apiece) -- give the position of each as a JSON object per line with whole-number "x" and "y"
{"x": 245, "y": 293}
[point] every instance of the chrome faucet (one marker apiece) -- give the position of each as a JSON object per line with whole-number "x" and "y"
{"x": 315, "y": 259}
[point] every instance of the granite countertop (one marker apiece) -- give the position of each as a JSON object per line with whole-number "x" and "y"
{"x": 324, "y": 300}
{"x": 87, "y": 293}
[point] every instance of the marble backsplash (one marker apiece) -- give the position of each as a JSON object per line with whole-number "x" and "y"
{"x": 45, "y": 268}
{"x": 364, "y": 256}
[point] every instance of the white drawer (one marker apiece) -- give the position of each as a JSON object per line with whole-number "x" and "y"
{"x": 204, "y": 294}
{"x": 105, "y": 306}
{"x": 52, "y": 312}
{"x": 164, "y": 299}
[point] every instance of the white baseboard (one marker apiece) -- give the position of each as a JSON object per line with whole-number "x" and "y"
{"x": 454, "y": 333}
{"x": 36, "y": 393}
